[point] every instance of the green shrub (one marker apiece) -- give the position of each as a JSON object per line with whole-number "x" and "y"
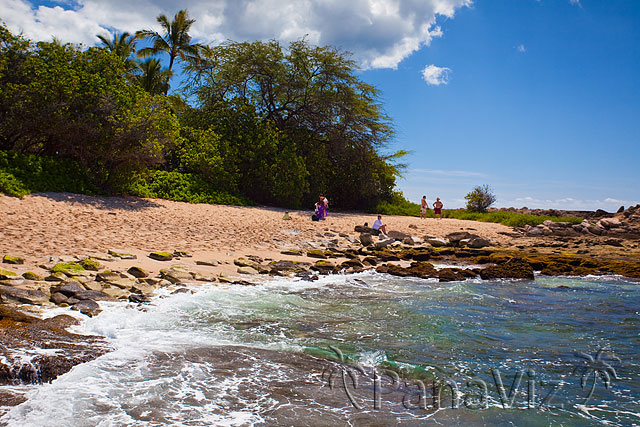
{"x": 21, "y": 174}
{"x": 510, "y": 219}
{"x": 12, "y": 186}
{"x": 397, "y": 206}
{"x": 181, "y": 187}
{"x": 480, "y": 198}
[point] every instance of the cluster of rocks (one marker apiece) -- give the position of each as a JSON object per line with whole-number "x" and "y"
{"x": 625, "y": 225}
{"x": 79, "y": 282}
{"x": 396, "y": 238}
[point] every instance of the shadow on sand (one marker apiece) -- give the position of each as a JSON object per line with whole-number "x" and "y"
{"x": 102, "y": 202}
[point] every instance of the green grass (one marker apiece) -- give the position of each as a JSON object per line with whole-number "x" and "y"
{"x": 512, "y": 219}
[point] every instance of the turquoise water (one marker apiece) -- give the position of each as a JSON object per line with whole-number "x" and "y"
{"x": 233, "y": 355}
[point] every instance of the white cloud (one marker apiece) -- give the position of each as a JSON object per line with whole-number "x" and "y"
{"x": 575, "y": 3}
{"x": 435, "y": 75}
{"x": 380, "y": 33}
{"x": 521, "y": 48}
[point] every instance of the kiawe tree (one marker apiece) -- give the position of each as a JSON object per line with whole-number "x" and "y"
{"x": 327, "y": 116}
{"x": 175, "y": 40}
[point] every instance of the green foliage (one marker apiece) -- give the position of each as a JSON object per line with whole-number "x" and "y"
{"x": 480, "y": 198}
{"x": 21, "y": 174}
{"x": 12, "y": 186}
{"x": 398, "y": 206}
{"x": 330, "y": 121}
{"x": 181, "y": 187}
{"x": 510, "y": 219}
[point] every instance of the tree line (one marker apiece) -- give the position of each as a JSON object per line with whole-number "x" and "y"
{"x": 252, "y": 121}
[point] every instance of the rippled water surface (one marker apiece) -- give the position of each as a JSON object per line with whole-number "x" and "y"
{"x": 233, "y": 355}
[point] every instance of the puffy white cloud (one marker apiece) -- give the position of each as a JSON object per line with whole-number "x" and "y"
{"x": 380, "y": 33}
{"x": 521, "y": 48}
{"x": 575, "y": 3}
{"x": 435, "y": 75}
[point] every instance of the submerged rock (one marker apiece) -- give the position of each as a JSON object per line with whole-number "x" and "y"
{"x": 515, "y": 268}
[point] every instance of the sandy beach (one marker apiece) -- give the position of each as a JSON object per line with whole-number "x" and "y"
{"x": 41, "y": 226}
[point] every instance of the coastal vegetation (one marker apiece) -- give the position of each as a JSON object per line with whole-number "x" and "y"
{"x": 400, "y": 206}
{"x": 250, "y": 122}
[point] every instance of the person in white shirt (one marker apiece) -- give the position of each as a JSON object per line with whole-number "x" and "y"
{"x": 378, "y": 225}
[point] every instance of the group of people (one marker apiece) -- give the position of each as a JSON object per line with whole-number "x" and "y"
{"x": 437, "y": 207}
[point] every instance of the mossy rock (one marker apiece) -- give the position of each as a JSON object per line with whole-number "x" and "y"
{"x": 90, "y": 264}
{"x": 137, "y": 272}
{"x": 67, "y": 268}
{"x": 31, "y": 276}
{"x": 323, "y": 263}
{"x": 292, "y": 252}
{"x": 6, "y": 274}
{"x": 161, "y": 256}
{"x": 316, "y": 253}
{"x": 10, "y": 259}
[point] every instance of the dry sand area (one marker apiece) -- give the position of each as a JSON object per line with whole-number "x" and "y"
{"x": 40, "y": 226}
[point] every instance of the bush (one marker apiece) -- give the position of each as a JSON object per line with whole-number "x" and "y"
{"x": 510, "y": 219}
{"x": 21, "y": 174}
{"x": 397, "y": 206}
{"x": 480, "y": 198}
{"x": 181, "y": 187}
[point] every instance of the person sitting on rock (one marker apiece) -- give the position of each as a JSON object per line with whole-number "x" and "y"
{"x": 378, "y": 225}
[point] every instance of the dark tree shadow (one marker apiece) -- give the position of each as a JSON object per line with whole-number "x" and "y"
{"x": 126, "y": 203}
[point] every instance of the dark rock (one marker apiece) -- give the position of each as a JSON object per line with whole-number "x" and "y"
{"x": 455, "y": 238}
{"x": 87, "y": 307}
{"x": 137, "y": 272}
{"x": 384, "y": 243}
{"x": 613, "y": 242}
{"x": 10, "y": 294}
{"x": 398, "y": 235}
{"x": 478, "y": 243}
{"x": 286, "y": 267}
{"x": 138, "y": 299}
{"x": 515, "y": 268}
{"x": 352, "y": 263}
{"x": 366, "y": 239}
{"x": 370, "y": 261}
{"x": 91, "y": 295}
{"x": 368, "y": 230}
{"x": 620, "y": 209}
{"x": 59, "y": 298}
{"x": 69, "y": 289}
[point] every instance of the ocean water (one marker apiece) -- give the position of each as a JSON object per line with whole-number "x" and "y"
{"x": 364, "y": 349}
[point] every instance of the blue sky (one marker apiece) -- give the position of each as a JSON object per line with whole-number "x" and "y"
{"x": 539, "y": 99}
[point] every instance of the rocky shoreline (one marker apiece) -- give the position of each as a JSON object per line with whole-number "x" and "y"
{"x": 81, "y": 282}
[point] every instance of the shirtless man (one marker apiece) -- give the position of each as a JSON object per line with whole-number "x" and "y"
{"x": 423, "y": 207}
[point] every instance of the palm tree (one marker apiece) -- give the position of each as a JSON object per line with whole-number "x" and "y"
{"x": 175, "y": 39}
{"x": 151, "y": 77}
{"x": 122, "y": 45}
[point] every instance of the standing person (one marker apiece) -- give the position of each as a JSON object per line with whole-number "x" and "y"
{"x": 378, "y": 225}
{"x": 437, "y": 208}
{"x": 326, "y": 205}
{"x": 423, "y": 207}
